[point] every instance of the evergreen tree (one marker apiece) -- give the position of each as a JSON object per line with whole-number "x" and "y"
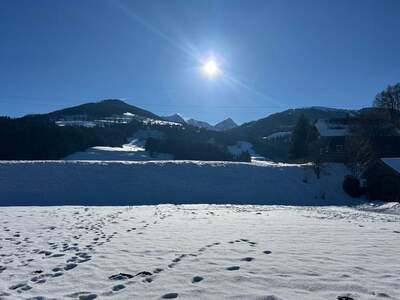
{"x": 298, "y": 148}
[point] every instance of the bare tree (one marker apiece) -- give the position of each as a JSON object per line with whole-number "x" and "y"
{"x": 374, "y": 123}
{"x": 359, "y": 154}
{"x": 389, "y": 98}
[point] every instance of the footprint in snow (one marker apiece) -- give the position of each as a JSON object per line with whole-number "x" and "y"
{"x": 197, "y": 279}
{"x": 118, "y": 287}
{"x": 158, "y": 270}
{"x": 20, "y": 287}
{"x": 170, "y": 296}
{"x": 70, "y": 266}
{"x": 270, "y": 297}
{"x": 88, "y": 297}
{"x": 248, "y": 259}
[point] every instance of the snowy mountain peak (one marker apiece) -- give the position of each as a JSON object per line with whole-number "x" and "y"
{"x": 225, "y": 125}
{"x": 221, "y": 126}
{"x": 174, "y": 118}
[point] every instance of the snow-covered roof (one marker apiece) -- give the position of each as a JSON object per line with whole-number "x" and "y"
{"x": 327, "y": 127}
{"x": 393, "y": 162}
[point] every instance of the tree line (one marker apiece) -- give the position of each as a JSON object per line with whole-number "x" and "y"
{"x": 36, "y": 138}
{"x": 187, "y": 149}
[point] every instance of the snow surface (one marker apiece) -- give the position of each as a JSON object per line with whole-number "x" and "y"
{"x": 240, "y": 147}
{"x": 198, "y": 252}
{"x": 278, "y": 135}
{"x": 149, "y": 121}
{"x": 177, "y": 118}
{"x": 77, "y": 123}
{"x": 393, "y": 162}
{"x": 180, "y": 182}
{"x": 243, "y": 146}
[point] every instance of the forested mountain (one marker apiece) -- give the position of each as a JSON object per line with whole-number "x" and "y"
{"x": 101, "y": 109}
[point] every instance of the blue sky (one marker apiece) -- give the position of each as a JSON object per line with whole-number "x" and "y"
{"x": 274, "y": 54}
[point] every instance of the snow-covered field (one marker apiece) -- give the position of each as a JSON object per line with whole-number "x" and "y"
{"x": 178, "y": 182}
{"x": 200, "y": 252}
{"x": 134, "y": 150}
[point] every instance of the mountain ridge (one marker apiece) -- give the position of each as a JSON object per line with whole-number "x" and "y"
{"x": 226, "y": 124}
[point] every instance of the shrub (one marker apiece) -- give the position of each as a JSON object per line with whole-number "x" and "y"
{"x": 351, "y": 186}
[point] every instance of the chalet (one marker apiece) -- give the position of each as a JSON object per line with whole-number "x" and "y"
{"x": 331, "y": 134}
{"x": 383, "y": 179}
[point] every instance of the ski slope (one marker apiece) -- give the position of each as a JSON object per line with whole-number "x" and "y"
{"x": 200, "y": 252}
{"x": 178, "y": 182}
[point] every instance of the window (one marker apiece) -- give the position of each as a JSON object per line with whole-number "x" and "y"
{"x": 339, "y": 148}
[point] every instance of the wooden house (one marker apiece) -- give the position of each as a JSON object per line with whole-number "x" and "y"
{"x": 383, "y": 179}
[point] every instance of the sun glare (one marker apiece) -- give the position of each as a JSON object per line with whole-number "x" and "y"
{"x": 210, "y": 68}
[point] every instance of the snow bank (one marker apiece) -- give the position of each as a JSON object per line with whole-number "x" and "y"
{"x": 154, "y": 182}
{"x": 243, "y": 146}
{"x": 381, "y": 207}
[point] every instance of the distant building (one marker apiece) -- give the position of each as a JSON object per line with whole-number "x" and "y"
{"x": 383, "y": 179}
{"x": 331, "y": 134}
{"x": 379, "y": 129}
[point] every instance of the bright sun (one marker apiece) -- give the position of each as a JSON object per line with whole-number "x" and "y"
{"x": 211, "y": 68}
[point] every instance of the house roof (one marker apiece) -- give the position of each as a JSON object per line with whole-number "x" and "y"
{"x": 393, "y": 162}
{"x": 329, "y": 127}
